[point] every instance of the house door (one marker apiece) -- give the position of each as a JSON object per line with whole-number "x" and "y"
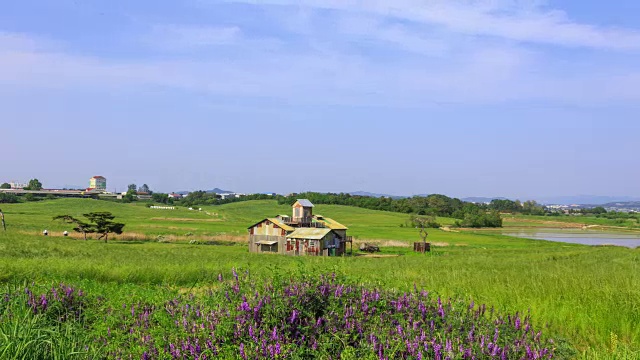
{"x": 297, "y": 247}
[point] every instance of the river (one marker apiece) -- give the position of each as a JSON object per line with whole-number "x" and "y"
{"x": 585, "y": 237}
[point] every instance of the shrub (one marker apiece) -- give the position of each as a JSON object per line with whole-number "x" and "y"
{"x": 8, "y": 198}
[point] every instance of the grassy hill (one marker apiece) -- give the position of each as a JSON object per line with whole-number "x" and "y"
{"x": 588, "y": 295}
{"x": 225, "y": 221}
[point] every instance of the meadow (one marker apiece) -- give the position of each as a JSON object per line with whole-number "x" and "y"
{"x": 586, "y": 298}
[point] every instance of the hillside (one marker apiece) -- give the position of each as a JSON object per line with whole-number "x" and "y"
{"x": 569, "y": 287}
{"x": 230, "y": 222}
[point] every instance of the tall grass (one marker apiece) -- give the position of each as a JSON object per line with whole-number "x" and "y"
{"x": 586, "y": 295}
{"x": 25, "y": 334}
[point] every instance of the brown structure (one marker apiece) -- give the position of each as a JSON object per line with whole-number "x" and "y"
{"x": 300, "y": 234}
{"x": 421, "y": 247}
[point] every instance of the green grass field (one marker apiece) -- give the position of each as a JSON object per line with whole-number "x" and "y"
{"x": 589, "y": 296}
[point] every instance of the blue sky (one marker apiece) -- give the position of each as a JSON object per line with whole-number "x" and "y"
{"x": 509, "y": 98}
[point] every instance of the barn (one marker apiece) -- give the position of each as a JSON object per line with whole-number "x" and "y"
{"x": 300, "y": 234}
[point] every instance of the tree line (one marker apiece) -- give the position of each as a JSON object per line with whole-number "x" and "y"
{"x": 468, "y": 214}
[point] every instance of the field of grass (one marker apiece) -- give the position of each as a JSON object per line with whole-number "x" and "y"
{"x": 589, "y": 296}
{"x": 229, "y": 220}
{"x": 527, "y": 221}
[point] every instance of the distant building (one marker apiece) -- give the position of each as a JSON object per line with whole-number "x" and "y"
{"x": 98, "y": 183}
{"x": 18, "y": 185}
{"x": 143, "y": 195}
{"x": 300, "y": 234}
{"x": 175, "y": 196}
{"x": 226, "y": 196}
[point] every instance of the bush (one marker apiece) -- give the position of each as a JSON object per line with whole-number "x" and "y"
{"x": 8, "y": 198}
{"x": 480, "y": 220}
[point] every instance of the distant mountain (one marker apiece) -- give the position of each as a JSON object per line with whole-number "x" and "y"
{"x": 213, "y": 191}
{"x": 219, "y": 191}
{"x": 478, "y": 199}
{"x": 585, "y": 199}
{"x": 627, "y": 205}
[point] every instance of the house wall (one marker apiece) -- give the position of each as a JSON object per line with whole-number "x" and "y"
{"x": 279, "y": 248}
{"x": 267, "y": 228}
{"x": 267, "y": 231}
{"x": 341, "y": 233}
{"x": 98, "y": 183}
{"x": 303, "y": 247}
{"x": 301, "y": 212}
{"x": 308, "y": 247}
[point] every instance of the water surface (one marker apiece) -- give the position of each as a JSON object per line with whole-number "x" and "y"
{"x": 585, "y": 237}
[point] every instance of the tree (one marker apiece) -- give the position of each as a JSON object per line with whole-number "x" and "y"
{"x": 145, "y": 189}
{"x": 34, "y": 184}
{"x": 99, "y": 222}
{"x": 103, "y": 224}
{"x": 5, "y": 186}
{"x": 130, "y": 196}
{"x": 481, "y": 219}
{"x": 531, "y": 207}
{"x": 596, "y": 210}
{"x": 422, "y": 223}
{"x": 161, "y": 198}
{"x": 81, "y": 227}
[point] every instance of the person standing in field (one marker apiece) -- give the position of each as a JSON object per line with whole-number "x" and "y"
{"x": 4, "y": 226}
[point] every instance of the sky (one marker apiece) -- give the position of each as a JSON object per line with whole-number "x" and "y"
{"x": 514, "y": 98}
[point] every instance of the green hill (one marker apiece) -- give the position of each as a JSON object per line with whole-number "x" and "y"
{"x": 589, "y": 295}
{"x": 230, "y": 219}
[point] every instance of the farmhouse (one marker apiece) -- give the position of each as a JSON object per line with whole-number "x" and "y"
{"x": 300, "y": 234}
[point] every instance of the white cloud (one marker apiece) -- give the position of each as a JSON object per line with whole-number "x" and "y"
{"x": 187, "y": 36}
{"x": 523, "y": 21}
{"x": 11, "y": 41}
{"x": 359, "y": 55}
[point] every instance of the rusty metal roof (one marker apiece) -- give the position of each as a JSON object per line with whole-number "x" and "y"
{"x": 281, "y": 224}
{"x": 332, "y": 224}
{"x": 264, "y": 242}
{"x": 304, "y": 202}
{"x": 275, "y": 221}
{"x": 309, "y": 233}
